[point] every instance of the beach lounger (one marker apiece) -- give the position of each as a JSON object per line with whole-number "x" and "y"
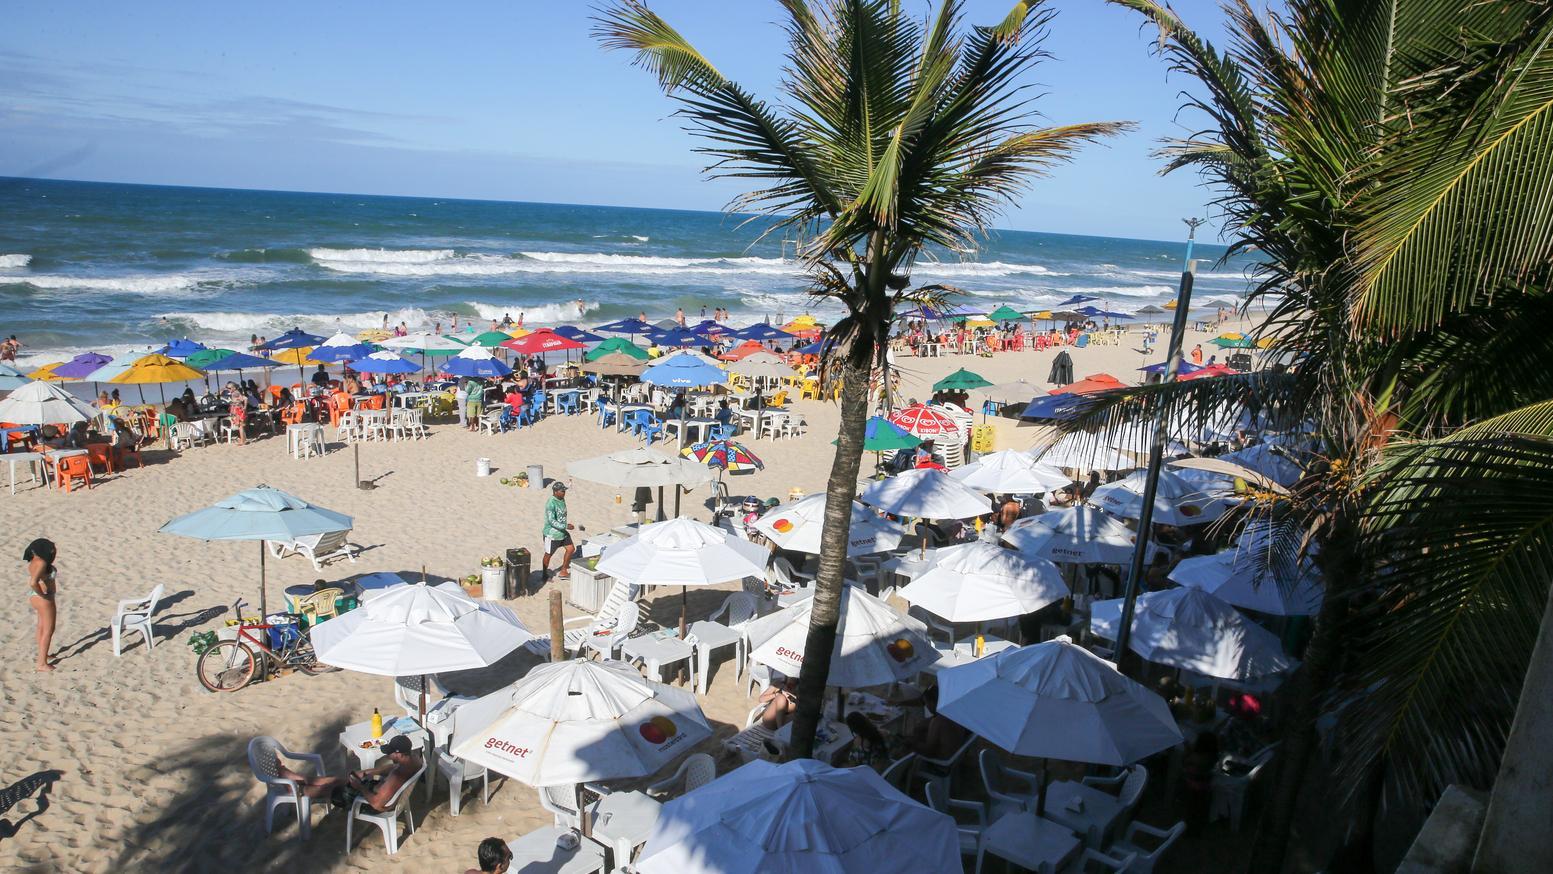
{"x": 619, "y": 594}
{"x": 319, "y": 548}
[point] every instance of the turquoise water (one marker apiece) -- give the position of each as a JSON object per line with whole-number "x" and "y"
{"x": 107, "y": 267}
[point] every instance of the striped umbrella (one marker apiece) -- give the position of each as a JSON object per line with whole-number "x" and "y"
{"x": 724, "y": 455}
{"x": 922, "y": 420}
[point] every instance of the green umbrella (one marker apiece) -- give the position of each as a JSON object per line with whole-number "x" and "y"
{"x": 882, "y": 435}
{"x": 960, "y": 380}
{"x": 206, "y": 357}
{"x": 617, "y": 344}
{"x": 491, "y": 339}
{"x": 1005, "y": 313}
{"x": 1238, "y": 343}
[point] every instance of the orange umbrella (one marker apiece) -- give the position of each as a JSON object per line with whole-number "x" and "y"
{"x": 748, "y": 347}
{"x": 1092, "y": 383}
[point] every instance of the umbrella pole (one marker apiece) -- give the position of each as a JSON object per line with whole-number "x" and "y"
{"x": 423, "y": 700}
{"x": 1040, "y": 795}
{"x": 263, "y": 610}
{"x": 684, "y": 607}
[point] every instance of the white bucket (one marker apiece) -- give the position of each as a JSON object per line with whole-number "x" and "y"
{"x": 482, "y": 467}
{"x": 536, "y": 475}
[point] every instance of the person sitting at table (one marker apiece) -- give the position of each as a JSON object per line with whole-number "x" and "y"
{"x": 781, "y": 702}
{"x": 189, "y": 401}
{"x": 524, "y": 384}
{"x": 104, "y": 402}
{"x": 320, "y": 377}
{"x": 494, "y": 857}
{"x": 1008, "y": 512}
{"x": 940, "y": 736}
{"x": 351, "y": 385}
{"x": 724, "y": 413}
{"x": 178, "y": 409}
{"x": 377, "y": 785}
{"x": 676, "y": 408}
{"x": 514, "y": 399}
{"x": 871, "y": 745}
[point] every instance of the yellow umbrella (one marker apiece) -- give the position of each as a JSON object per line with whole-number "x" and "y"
{"x": 1232, "y": 335}
{"x": 979, "y": 323}
{"x": 1171, "y": 305}
{"x": 521, "y": 332}
{"x": 157, "y": 368}
{"x": 1266, "y": 342}
{"x": 46, "y": 373}
{"x": 802, "y": 323}
{"x": 373, "y": 335}
{"x": 294, "y": 356}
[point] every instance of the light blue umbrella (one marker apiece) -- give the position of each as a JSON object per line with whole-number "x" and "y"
{"x": 683, "y": 371}
{"x": 11, "y": 379}
{"x": 261, "y": 514}
{"x": 384, "y": 362}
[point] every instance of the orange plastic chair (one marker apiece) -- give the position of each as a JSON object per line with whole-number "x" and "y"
{"x": 100, "y": 455}
{"x": 376, "y": 402}
{"x": 274, "y": 394}
{"x": 294, "y": 415}
{"x": 76, "y": 467}
{"x": 339, "y": 402}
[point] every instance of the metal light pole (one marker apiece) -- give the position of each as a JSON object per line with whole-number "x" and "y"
{"x": 1156, "y": 450}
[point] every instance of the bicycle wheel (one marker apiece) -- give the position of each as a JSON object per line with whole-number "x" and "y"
{"x": 308, "y": 663}
{"x": 228, "y": 666}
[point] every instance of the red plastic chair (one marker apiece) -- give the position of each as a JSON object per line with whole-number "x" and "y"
{"x": 76, "y": 467}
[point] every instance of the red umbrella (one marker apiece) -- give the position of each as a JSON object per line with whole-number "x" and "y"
{"x": 1213, "y": 370}
{"x": 1092, "y": 383}
{"x": 542, "y": 340}
{"x": 924, "y": 421}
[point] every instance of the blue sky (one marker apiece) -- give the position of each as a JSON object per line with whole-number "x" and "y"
{"x": 500, "y": 100}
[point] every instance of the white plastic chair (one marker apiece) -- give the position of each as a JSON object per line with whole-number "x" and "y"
{"x": 350, "y": 426}
{"x": 898, "y": 774}
{"x": 997, "y": 777}
{"x": 605, "y": 637}
{"x": 1144, "y": 860}
{"x": 457, "y": 772}
{"x": 1094, "y": 860}
{"x": 134, "y": 614}
{"x": 940, "y": 771}
{"x": 620, "y": 593}
{"x": 187, "y": 435}
{"x": 388, "y": 820}
{"x": 407, "y": 693}
{"x": 264, "y": 760}
{"x": 972, "y": 839}
{"x": 693, "y": 773}
{"x": 231, "y": 430}
{"x": 1130, "y": 784}
{"x": 562, "y": 802}
{"x": 1229, "y": 787}
{"x": 740, "y": 608}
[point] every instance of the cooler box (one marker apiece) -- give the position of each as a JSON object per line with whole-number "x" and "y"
{"x": 589, "y": 588}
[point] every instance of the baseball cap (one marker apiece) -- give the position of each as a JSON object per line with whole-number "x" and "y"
{"x": 558, "y": 487}
{"x": 397, "y": 744}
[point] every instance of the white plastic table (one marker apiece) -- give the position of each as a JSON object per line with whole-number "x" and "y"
{"x": 1030, "y": 841}
{"x": 622, "y": 821}
{"x": 537, "y": 853}
{"x": 656, "y": 652}
{"x": 355, "y": 735}
{"x": 837, "y": 737}
{"x": 1100, "y": 809}
{"x": 33, "y": 460}
{"x": 709, "y": 636}
{"x": 695, "y": 429}
{"x": 304, "y": 435}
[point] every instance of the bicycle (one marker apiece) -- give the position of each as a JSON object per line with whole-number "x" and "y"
{"x": 229, "y": 665}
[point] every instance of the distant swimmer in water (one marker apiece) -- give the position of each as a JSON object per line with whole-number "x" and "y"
{"x": 582, "y": 308}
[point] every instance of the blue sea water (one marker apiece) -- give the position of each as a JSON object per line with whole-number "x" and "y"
{"x": 111, "y": 267}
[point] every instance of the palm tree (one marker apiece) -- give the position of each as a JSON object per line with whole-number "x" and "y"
{"x": 896, "y": 136}
{"x": 1386, "y": 164}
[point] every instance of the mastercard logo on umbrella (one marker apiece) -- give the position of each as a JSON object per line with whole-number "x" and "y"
{"x": 658, "y": 729}
{"x": 782, "y": 525}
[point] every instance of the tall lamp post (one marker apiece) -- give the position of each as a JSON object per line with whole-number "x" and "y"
{"x": 1156, "y": 451}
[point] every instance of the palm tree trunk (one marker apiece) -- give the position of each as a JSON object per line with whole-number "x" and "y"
{"x": 826, "y": 612}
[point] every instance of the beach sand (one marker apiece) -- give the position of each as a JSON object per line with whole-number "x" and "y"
{"x": 151, "y": 769}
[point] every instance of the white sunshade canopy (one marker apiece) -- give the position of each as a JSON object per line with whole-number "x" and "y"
{"x": 1176, "y": 501}
{"x": 800, "y": 817}
{"x": 1010, "y": 471}
{"x": 874, "y": 644}
{"x": 1057, "y": 700}
{"x": 798, "y": 526}
{"x": 1190, "y": 629}
{"x": 43, "y": 403}
{"x": 1238, "y": 578}
{"x": 575, "y": 721}
{"x": 423, "y": 341}
{"x": 1084, "y": 452}
{"x": 419, "y": 629}
{"x": 927, "y": 494}
{"x": 1081, "y": 535}
{"x": 683, "y": 552}
{"x": 640, "y": 466}
{"x": 975, "y": 582}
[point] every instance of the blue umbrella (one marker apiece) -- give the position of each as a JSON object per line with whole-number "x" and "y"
{"x": 336, "y": 354}
{"x": 625, "y": 326}
{"x": 760, "y": 331}
{"x": 181, "y": 348}
{"x": 1184, "y": 368}
{"x": 677, "y": 336}
{"x": 261, "y": 514}
{"x": 459, "y": 365}
{"x": 710, "y": 328}
{"x": 383, "y": 362}
{"x": 239, "y": 361}
{"x": 296, "y": 338}
{"x": 1076, "y": 300}
{"x": 11, "y": 379}
{"x": 1060, "y": 407}
{"x": 571, "y": 332}
{"x": 683, "y": 371}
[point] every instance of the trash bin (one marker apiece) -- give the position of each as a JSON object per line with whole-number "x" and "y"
{"x": 536, "y": 475}
{"x": 482, "y": 467}
{"x": 518, "y": 564}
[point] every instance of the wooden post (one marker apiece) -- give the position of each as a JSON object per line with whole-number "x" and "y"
{"x": 557, "y": 627}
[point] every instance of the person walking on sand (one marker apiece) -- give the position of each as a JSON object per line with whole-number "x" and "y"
{"x": 1197, "y": 355}
{"x": 40, "y": 555}
{"x": 556, "y": 533}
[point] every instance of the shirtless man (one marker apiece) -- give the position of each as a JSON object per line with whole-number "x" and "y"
{"x": 1008, "y": 512}
{"x": 376, "y": 785}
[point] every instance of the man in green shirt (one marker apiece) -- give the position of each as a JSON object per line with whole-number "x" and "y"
{"x": 556, "y": 533}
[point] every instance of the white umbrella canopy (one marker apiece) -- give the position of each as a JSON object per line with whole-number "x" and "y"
{"x": 1176, "y": 501}
{"x": 1236, "y": 578}
{"x": 1082, "y": 535}
{"x": 425, "y": 342}
{"x": 1010, "y": 471}
{"x": 1084, "y": 452}
{"x": 874, "y": 644}
{"x": 760, "y": 364}
{"x": 575, "y": 721}
{"x": 43, "y": 403}
{"x": 975, "y": 582}
{"x": 683, "y": 552}
{"x": 1277, "y": 463}
{"x": 798, "y": 818}
{"x": 640, "y": 467}
{"x": 927, "y": 494}
{"x": 419, "y": 629}
{"x": 1190, "y": 629}
{"x": 798, "y": 526}
{"x": 1057, "y": 700}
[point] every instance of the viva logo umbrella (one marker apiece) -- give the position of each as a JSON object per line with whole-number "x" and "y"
{"x": 294, "y": 339}
{"x": 476, "y": 361}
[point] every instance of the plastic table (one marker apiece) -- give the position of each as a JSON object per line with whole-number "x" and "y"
{"x": 1030, "y": 841}
{"x": 622, "y": 821}
{"x": 537, "y": 853}
{"x": 709, "y": 636}
{"x": 656, "y": 652}
{"x": 33, "y": 460}
{"x": 1100, "y": 809}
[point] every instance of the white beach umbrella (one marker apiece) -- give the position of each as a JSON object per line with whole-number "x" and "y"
{"x": 575, "y": 721}
{"x": 1277, "y": 463}
{"x": 1190, "y": 629}
{"x": 975, "y": 582}
{"x": 1176, "y": 501}
{"x": 760, "y": 364}
{"x": 1010, "y": 471}
{"x": 43, "y": 403}
{"x": 419, "y": 629}
{"x": 1084, "y": 452}
{"x": 796, "y": 818}
{"x": 425, "y": 342}
{"x": 798, "y": 526}
{"x": 682, "y": 552}
{"x": 640, "y": 467}
{"x": 1082, "y": 535}
{"x": 690, "y": 353}
{"x": 1056, "y": 700}
{"x": 874, "y": 644}
{"x": 927, "y": 494}
{"x": 1237, "y": 578}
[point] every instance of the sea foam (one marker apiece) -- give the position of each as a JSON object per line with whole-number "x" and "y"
{"x": 10, "y": 262}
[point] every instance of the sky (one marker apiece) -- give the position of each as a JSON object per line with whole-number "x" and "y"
{"x": 506, "y": 101}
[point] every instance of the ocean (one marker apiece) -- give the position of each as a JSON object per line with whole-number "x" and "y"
{"x": 114, "y": 268}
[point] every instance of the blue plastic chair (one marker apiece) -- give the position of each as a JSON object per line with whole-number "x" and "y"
{"x": 652, "y": 429}
{"x": 637, "y": 421}
{"x": 721, "y": 432}
{"x": 566, "y": 402}
{"x": 606, "y": 414}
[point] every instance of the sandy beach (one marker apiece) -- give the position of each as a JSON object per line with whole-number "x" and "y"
{"x": 151, "y": 769}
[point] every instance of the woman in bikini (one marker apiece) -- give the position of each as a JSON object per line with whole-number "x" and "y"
{"x": 39, "y": 556}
